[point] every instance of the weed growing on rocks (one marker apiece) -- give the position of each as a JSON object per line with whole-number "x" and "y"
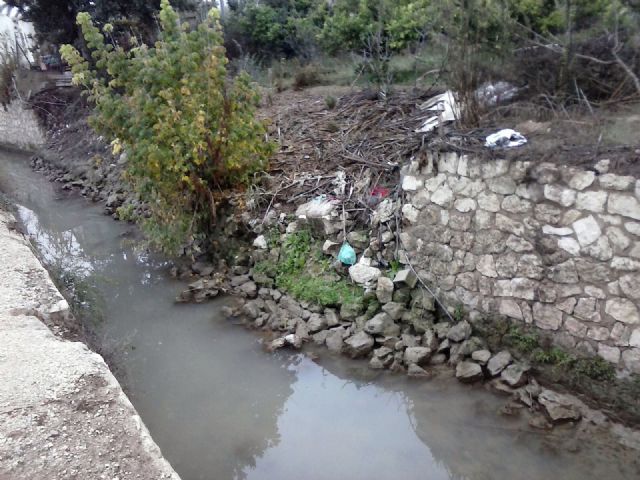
{"x": 304, "y": 272}
{"x": 524, "y": 342}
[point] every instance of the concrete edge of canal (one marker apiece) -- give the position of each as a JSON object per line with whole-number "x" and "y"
{"x": 62, "y": 412}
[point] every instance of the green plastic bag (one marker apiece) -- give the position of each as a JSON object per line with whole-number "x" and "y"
{"x": 347, "y": 254}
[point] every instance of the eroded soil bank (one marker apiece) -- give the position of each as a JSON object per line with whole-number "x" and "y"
{"x": 220, "y": 406}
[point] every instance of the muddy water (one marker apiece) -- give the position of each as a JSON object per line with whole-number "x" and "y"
{"x": 220, "y": 408}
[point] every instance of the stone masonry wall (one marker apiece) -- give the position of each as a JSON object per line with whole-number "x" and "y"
{"x": 19, "y": 128}
{"x": 548, "y": 245}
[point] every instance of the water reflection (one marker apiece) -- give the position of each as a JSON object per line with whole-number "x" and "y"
{"x": 59, "y": 249}
{"x": 342, "y": 428}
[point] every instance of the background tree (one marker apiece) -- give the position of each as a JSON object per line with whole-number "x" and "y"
{"x": 55, "y": 20}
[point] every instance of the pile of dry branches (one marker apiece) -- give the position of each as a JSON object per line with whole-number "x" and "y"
{"x": 351, "y": 152}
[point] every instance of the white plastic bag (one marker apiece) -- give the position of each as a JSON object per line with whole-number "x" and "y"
{"x": 506, "y": 138}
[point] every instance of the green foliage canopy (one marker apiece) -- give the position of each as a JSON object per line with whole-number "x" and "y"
{"x": 55, "y": 20}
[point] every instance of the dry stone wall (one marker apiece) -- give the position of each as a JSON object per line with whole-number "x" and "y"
{"x": 551, "y": 246}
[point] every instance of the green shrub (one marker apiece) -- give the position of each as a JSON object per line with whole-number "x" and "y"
{"x": 553, "y": 356}
{"x": 330, "y": 101}
{"x": 594, "y": 367}
{"x": 306, "y": 76}
{"x": 524, "y": 342}
{"x": 189, "y": 131}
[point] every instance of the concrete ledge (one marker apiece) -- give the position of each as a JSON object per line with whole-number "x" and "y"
{"x": 62, "y": 412}
{"x": 19, "y": 127}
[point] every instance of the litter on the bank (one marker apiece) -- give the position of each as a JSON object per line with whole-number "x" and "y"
{"x": 347, "y": 255}
{"x": 492, "y": 94}
{"x": 321, "y": 206}
{"x": 340, "y": 183}
{"x": 505, "y": 138}
{"x": 446, "y": 108}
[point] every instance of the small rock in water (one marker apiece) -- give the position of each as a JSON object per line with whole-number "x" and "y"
{"x": 510, "y": 409}
{"x": 500, "y": 387}
{"x": 468, "y": 372}
{"x": 277, "y": 343}
{"x": 228, "y": 311}
{"x": 334, "y": 340}
{"x": 320, "y": 338}
{"x": 358, "y": 345}
{"x": 291, "y": 340}
{"x": 559, "y": 407}
{"x": 198, "y": 291}
{"x": 417, "y": 355}
{"x": 416, "y": 371}
{"x": 515, "y": 375}
{"x": 251, "y": 309}
{"x": 249, "y": 289}
{"x": 498, "y": 362}
{"x": 540, "y": 423}
{"x": 316, "y": 323}
{"x": 376, "y": 363}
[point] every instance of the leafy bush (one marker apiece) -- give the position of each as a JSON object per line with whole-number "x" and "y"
{"x": 189, "y": 132}
{"x": 274, "y": 29}
{"x": 595, "y": 368}
{"x": 330, "y": 101}
{"x": 553, "y": 356}
{"x": 306, "y": 76}
{"x": 525, "y": 342}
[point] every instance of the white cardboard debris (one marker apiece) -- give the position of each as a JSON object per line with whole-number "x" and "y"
{"x": 446, "y": 108}
{"x": 505, "y": 138}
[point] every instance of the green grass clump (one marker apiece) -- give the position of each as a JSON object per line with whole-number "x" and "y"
{"x": 267, "y": 267}
{"x": 294, "y": 253}
{"x": 321, "y": 291}
{"x": 568, "y": 365}
{"x": 596, "y": 368}
{"x": 303, "y": 271}
{"x": 553, "y": 356}
{"x": 524, "y": 342}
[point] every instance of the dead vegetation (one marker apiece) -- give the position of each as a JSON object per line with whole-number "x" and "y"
{"x": 353, "y": 151}
{"x": 360, "y": 144}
